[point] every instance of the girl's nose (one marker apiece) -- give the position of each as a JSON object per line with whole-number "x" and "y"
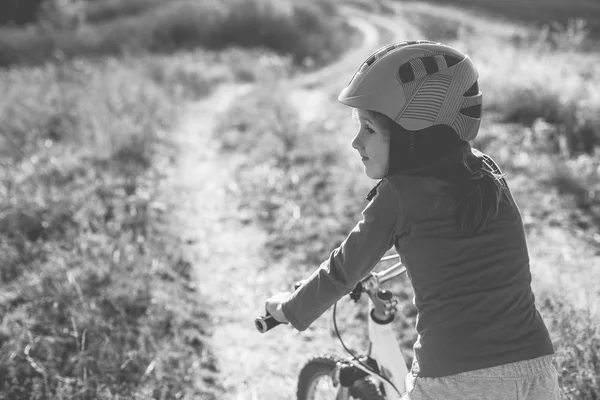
{"x": 356, "y": 144}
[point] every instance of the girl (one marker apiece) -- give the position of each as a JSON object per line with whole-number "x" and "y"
{"x": 453, "y": 221}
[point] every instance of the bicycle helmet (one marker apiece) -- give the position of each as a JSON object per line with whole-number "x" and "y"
{"x": 419, "y": 84}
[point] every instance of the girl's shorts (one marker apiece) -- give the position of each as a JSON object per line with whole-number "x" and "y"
{"x": 534, "y": 379}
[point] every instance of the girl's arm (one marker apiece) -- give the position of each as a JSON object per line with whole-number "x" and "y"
{"x": 350, "y": 262}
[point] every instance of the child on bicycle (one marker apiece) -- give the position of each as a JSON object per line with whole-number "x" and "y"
{"x": 452, "y": 219}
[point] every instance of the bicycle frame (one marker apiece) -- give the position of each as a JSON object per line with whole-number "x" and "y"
{"x": 383, "y": 346}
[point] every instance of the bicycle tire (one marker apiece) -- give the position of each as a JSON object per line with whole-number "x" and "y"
{"x": 323, "y": 367}
{"x": 312, "y": 371}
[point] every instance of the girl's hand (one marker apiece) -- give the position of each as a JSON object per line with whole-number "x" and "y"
{"x": 273, "y": 306}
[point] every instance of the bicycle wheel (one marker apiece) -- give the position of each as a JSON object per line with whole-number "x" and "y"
{"x": 315, "y": 381}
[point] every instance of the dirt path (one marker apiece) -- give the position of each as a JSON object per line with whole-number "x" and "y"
{"x": 228, "y": 260}
{"x": 228, "y": 253}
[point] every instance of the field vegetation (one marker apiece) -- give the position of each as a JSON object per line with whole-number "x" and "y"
{"x": 98, "y": 299}
{"x": 90, "y": 272}
{"x": 311, "y": 31}
{"x": 540, "y": 91}
{"x": 552, "y": 14}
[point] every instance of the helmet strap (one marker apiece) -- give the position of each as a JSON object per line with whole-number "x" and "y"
{"x": 373, "y": 191}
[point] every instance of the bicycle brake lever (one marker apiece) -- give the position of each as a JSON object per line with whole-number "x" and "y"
{"x": 356, "y": 292}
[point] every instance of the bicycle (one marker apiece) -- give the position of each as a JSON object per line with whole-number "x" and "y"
{"x": 378, "y": 375}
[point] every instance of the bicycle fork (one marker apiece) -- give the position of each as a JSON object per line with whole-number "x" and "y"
{"x": 384, "y": 356}
{"x": 385, "y": 349}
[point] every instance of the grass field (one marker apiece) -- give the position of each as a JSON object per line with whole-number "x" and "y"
{"x": 97, "y": 295}
{"x": 538, "y": 12}
{"x": 98, "y": 299}
{"x": 311, "y": 31}
{"x": 89, "y": 271}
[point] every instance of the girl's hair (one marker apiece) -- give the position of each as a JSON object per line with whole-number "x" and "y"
{"x": 479, "y": 193}
{"x": 477, "y": 185}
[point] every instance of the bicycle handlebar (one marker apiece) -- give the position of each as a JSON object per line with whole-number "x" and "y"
{"x": 267, "y": 322}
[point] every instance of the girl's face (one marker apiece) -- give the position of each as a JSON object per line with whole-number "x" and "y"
{"x": 373, "y": 145}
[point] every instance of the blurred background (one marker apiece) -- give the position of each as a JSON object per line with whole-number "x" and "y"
{"x": 165, "y": 166}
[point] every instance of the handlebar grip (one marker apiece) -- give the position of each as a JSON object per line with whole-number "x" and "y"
{"x": 265, "y": 323}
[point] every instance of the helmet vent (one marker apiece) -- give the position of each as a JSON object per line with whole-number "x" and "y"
{"x": 473, "y": 111}
{"x": 451, "y": 60}
{"x": 406, "y": 73}
{"x": 418, "y": 68}
{"x": 472, "y": 91}
{"x": 381, "y": 53}
{"x": 371, "y": 60}
{"x": 430, "y": 64}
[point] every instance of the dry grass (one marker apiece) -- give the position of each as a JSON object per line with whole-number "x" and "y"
{"x": 530, "y": 76}
{"x": 311, "y": 30}
{"x": 109, "y": 10}
{"x": 536, "y": 12}
{"x": 79, "y": 103}
{"x": 577, "y": 343}
{"x": 97, "y": 298}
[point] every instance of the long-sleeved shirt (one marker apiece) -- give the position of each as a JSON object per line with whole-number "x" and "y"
{"x": 473, "y": 293}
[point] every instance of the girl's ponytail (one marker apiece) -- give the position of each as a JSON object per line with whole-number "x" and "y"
{"x": 478, "y": 193}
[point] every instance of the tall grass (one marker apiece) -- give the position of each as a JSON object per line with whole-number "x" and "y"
{"x": 109, "y": 10}
{"x": 531, "y": 76}
{"x": 97, "y": 299}
{"x": 577, "y": 344}
{"x": 79, "y": 103}
{"x": 535, "y": 12}
{"x": 564, "y": 95}
{"x": 308, "y": 30}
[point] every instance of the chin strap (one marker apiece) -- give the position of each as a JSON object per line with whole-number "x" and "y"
{"x": 373, "y": 191}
